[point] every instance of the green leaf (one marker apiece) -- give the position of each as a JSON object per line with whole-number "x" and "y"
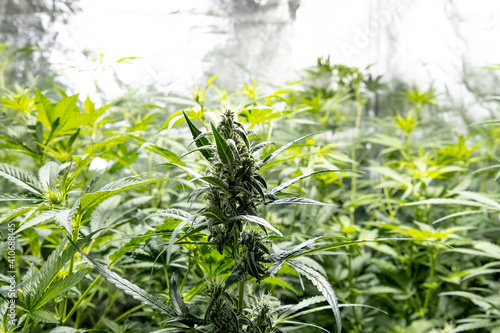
{"x": 215, "y": 181}
{"x": 35, "y": 285}
{"x": 43, "y": 108}
{"x": 445, "y": 201}
{"x": 135, "y": 242}
{"x": 200, "y": 142}
{"x": 91, "y": 199}
{"x": 62, "y": 285}
{"x": 15, "y": 213}
{"x": 173, "y": 213}
{"x": 300, "y": 201}
{"x": 17, "y": 197}
{"x": 388, "y": 172}
{"x": 323, "y": 286}
{"x": 172, "y": 157}
{"x": 214, "y": 213}
{"x": 258, "y": 220}
{"x": 63, "y": 109}
{"x": 281, "y": 187}
{"x": 174, "y": 235}
{"x": 458, "y": 214}
{"x": 44, "y": 316}
{"x": 21, "y": 178}
{"x": 42, "y": 217}
{"x": 225, "y": 154}
{"x": 188, "y": 170}
{"x": 344, "y": 244}
{"x": 128, "y": 58}
{"x": 277, "y": 282}
{"x": 282, "y": 149}
{"x": 48, "y": 175}
{"x": 111, "y": 142}
{"x": 299, "y": 323}
{"x": 260, "y": 146}
{"x": 175, "y": 297}
{"x": 479, "y": 197}
{"x": 127, "y": 286}
{"x": 64, "y": 217}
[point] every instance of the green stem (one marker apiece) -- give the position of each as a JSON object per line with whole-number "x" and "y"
{"x": 166, "y": 276}
{"x": 351, "y": 287}
{"x": 75, "y": 307}
{"x": 184, "y": 280}
{"x": 86, "y": 292}
{"x": 74, "y": 238}
{"x": 357, "y": 124}
{"x": 26, "y": 324}
{"x": 128, "y": 312}
{"x": 241, "y": 295}
{"x": 430, "y": 289}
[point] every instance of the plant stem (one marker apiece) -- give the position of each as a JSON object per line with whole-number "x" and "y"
{"x": 357, "y": 124}
{"x": 128, "y": 312}
{"x": 241, "y": 295}
{"x": 75, "y": 307}
{"x": 430, "y": 289}
{"x": 166, "y": 276}
{"x": 26, "y": 324}
{"x": 74, "y": 238}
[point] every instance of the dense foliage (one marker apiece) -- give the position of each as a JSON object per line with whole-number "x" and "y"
{"x": 372, "y": 202}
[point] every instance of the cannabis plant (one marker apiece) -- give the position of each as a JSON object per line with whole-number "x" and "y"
{"x": 230, "y": 224}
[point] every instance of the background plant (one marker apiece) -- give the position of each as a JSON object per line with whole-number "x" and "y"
{"x": 428, "y": 176}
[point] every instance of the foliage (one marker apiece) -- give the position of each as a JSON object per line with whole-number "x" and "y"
{"x": 297, "y": 211}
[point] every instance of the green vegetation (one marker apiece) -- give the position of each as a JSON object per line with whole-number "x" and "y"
{"x": 300, "y": 210}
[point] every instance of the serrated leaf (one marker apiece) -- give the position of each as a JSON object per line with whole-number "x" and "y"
{"x": 388, "y": 172}
{"x": 15, "y": 213}
{"x": 258, "y": 220}
{"x": 234, "y": 150}
{"x": 173, "y": 213}
{"x": 172, "y": 157}
{"x": 174, "y": 235}
{"x": 323, "y": 286}
{"x": 21, "y": 178}
{"x": 63, "y": 109}
{"x": 60, "y": 286}
{"x": 135, "y": 242}
{"x": 458, "y": 214}
{"x": 114, "y": 141}
{"x": 277, "y": 282}
{"x": 214, "y": 213}
{"x": 300, "y": 201}
{"x": 36, "y": 284}
{"x": 481, "y": 198}
{"x": 223, "y": 150}
{"x": 44, "y": 316}
{"x": 48, "y": 175}
{"x": 299, "y": 323}
{"x": 260, "y": 146}
{"x": 199, "y": 141}
{"x": 91, "y": 199}
{"x": 175, "y": 297}
{"x": 192, "y": 172}
{"x": 42, "y": 217}
{"x": 18, "y": 197}
{"x": 281, "y": 149}
{"x": 287, "y": 310}
{"x": 445, "y": 201}
{"x": 127, "y": 286}
{"x": 64, "y": 217}
{"x": 214, "y": 181}
{"x": 43, "y": 108}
